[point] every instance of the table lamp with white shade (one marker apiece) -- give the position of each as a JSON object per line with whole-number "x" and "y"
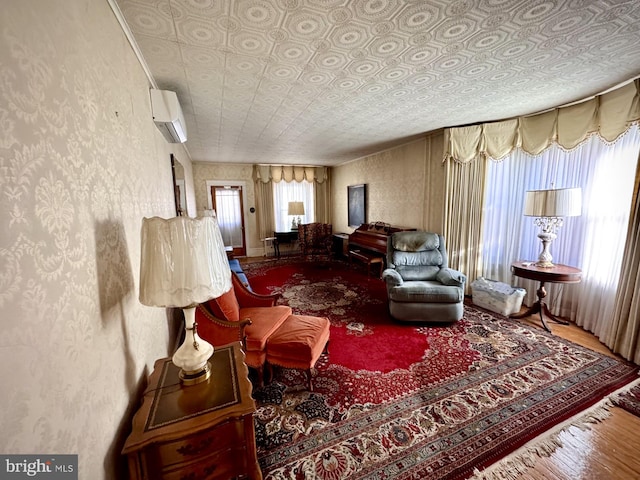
{"x": 183, "y": 263}
{"x": 295, "y": 208}
{"x": 550, "y": 207}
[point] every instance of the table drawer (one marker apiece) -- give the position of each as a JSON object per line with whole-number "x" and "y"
{"x": 222, "y": 465}
{"x": 222, "y": 437}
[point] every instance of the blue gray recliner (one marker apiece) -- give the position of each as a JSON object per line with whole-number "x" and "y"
{"x": 420, "y": 286}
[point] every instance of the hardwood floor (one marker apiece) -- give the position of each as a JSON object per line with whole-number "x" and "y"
{"x": 608, "y": 450}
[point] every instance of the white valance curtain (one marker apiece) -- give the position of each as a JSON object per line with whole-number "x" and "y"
{"x": 609, "y": 115}
{"x": 290, "y": 173}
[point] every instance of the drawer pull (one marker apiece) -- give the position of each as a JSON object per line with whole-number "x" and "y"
{"x": 190, "y": 449}
{"x": 207, "y": 471}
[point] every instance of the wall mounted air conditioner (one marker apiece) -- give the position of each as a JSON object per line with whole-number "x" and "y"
{"x": 167, "y": 115}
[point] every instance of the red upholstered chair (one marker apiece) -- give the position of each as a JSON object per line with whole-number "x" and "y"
{"x": 315, "y": 238}
{"x": 242, "y": 315}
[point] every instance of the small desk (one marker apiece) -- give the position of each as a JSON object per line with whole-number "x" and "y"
{"x": 284, "y": 237}
{"x": 555, "y": 274}
{"x": 198, "y": 431}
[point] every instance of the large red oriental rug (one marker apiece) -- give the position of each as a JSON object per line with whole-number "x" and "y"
{"x": 399, "y": 401}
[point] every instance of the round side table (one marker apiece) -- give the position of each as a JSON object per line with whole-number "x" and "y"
{"x": 555, "y": 274}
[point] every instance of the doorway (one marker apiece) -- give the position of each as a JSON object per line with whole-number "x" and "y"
{"x": 228, "y": 203}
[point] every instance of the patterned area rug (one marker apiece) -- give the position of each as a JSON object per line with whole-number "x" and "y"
{"x": 629, "y": 400}
{"x": 399, "y": 401}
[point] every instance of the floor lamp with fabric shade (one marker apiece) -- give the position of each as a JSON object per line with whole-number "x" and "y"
{"x": 550, "y": 207}
{"x": 183, "y": 263}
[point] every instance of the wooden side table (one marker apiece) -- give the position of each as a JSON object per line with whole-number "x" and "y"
{"x": 202, "y": 431}
{"x": 341, "y": 245}
{"x": 555, "y": 274}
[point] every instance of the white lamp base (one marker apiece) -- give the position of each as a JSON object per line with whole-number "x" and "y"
{"x": 544, "y": 259}
{"x": 192, "y": 357}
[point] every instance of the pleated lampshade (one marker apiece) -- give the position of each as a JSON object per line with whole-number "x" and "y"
{"x": 183, "y": 262}
{"x": 561, "y": 202}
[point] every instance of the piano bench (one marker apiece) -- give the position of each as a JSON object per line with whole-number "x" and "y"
{"x": 369, "y": 258}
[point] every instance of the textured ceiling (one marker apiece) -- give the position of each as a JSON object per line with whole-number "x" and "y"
{"x": 321, "y": 82}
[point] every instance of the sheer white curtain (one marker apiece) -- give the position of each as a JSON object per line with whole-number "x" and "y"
{"x": 285, "y": 192}
{"x": 229, "y": 216}
{"x": 593, "y": 242}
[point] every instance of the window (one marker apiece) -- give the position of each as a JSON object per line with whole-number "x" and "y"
{"x": 285, "y": 192}
{"x": 593, "y": 242}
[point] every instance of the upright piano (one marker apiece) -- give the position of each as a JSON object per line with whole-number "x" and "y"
{"x": 372, "y": 237}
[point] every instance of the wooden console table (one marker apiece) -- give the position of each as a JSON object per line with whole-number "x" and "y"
{"x": 555, "y": 274}
{"x": 198, "y": 431}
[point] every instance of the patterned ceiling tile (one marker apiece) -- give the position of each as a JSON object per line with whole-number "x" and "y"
{"x": 350, "y": 36}
{"x": 456, "y": 29}
{"x": 390, "y": 45}
{"x": 160, "y": 52}
{"x": 198, "y": 31}
{"x": 421, "y": 17}
{"x": 150, "y": 18}
{"x": 566, "y": 22}
{"x": 206, "y": 78}
{"x": 306, "y": 24}
{"x": 364, "y": 68}
{"x": 281, "y": 72}
{"x": 537, "y": 12}
{"x": 201, "y": 57}
{"x": 331, "y": 61}
{"x": 325, "y": 4}
{"x": 248, "y": 42}
{"x": 482, "y": 41}
{"x": 376, "y": 10}
{"x": 259, "y": 14}
{"x": 295, "y": 53}
{"x": 202, "y": 8}
{"x": 234, "y": 64}
{"x": 325, "y": 81}
{"x": 582, "y": 38}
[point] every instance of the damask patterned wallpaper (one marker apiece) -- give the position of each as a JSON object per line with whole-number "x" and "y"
{"x": 235, "y": 174}
{"x": 81, "y": 164}
{"x": 405, "y": 185}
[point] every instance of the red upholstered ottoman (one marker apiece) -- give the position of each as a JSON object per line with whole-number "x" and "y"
{"x": 298, "y": 343}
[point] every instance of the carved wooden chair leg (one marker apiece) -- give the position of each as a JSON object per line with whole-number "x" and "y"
{"x": 309, "y": 383}
{"x": 260, "y": 371}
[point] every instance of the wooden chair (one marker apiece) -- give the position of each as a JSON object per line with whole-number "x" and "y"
{"x": 242, "y": 315}
{"x": 315, "y": 238}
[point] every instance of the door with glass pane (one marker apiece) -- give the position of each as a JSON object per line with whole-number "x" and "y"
{"x": 228, "y": 205}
